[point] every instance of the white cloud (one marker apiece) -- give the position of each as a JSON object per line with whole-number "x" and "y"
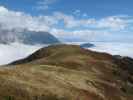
{"x": 3, "y": 9}
{"x": 71, "y": 22}
{"x": 19, "y": 20}
{"x": 114, "y": 48}
{"x": 112, "y": 22}
{"x": 44, "y": 4}
{"x": 77, "y": 12}
{"x": 77, "y": 35}
{"x": 17, "y": 51}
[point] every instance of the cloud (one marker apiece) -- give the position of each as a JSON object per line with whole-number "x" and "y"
{"x": 18, "y": 20}
{"x": 14, "y": 19}
{"x": 71, "y": 22}
{"x": 44, "y": 4}
{"x": 77, "y": 12}
{"x": 112, "y": 22}
{"x": 114, "y": 48}
{"x": 17, "y": 51}
{"x": 65, "y": 25}
{"x": 77, "y": 35}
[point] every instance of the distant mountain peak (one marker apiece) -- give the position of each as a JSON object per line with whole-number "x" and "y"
{"x": 27, "y": 37}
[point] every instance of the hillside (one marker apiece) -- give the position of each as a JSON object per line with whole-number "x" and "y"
{"x": 68, "y": 72}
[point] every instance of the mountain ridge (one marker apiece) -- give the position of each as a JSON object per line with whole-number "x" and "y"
{"x": 73, "y": 72}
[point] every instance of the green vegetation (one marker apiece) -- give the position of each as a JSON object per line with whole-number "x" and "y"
{"x": 8, "y": 98}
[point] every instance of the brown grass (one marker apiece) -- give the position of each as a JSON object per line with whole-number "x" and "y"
{"x": 66, "y": 72}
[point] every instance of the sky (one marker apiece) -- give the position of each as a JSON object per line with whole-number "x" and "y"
{"x": 108, "y": 21}
{"x": 71, "y": 20}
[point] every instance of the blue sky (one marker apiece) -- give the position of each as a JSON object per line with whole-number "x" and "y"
{"x": 80, "y": 19}
{"x": 94, "y": 8}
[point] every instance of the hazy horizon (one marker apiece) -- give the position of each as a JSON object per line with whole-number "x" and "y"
{"x": 16, "y": 51}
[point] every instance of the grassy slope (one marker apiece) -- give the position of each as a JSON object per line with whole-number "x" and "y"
{"x": 65, "y": 72}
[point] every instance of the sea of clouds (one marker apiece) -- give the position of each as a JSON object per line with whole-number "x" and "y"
{"x": 15, "y": 51}
{"x": 114, "y": 48}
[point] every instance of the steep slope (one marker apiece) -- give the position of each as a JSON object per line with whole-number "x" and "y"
{"x": 31, "y": 37}
{"x": 68, "y": 72}
{"x": 27, "y": 37}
